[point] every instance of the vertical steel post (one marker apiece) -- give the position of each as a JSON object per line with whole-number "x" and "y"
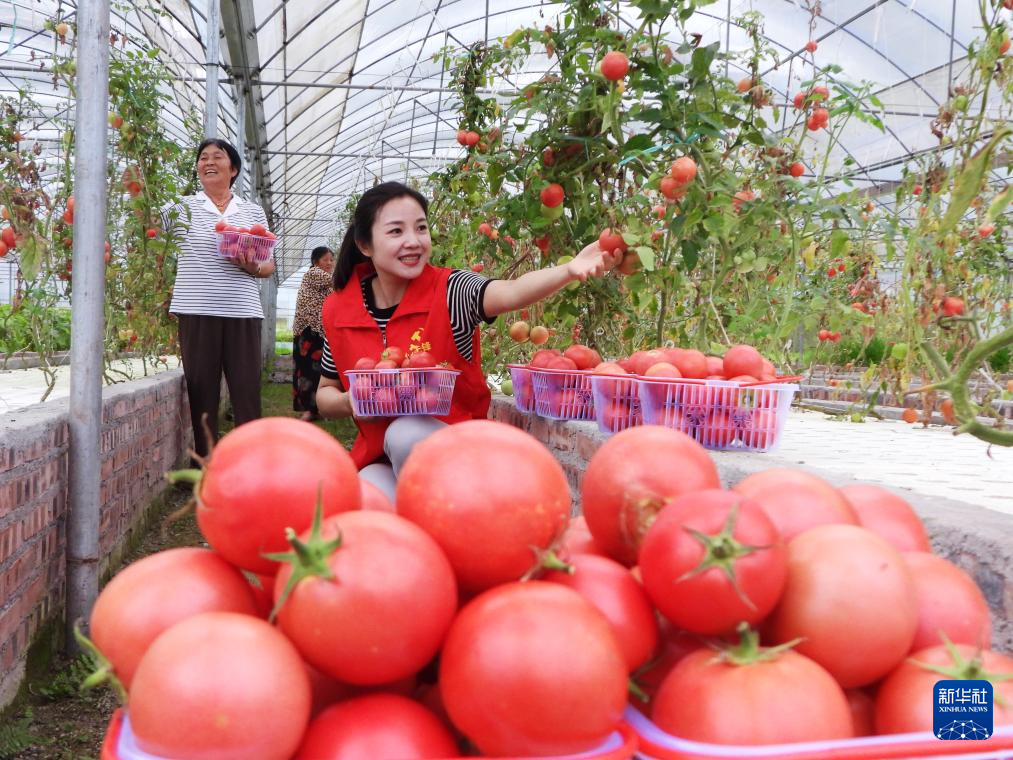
{"x": 211, "y": 92}
{"x": 240, "y": 89}
{"x": 87, "y": 313}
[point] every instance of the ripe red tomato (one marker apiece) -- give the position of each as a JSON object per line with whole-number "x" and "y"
{"x": 376, "y": 726}
{"x": 788, "y": 698}
{"x": 156, "y": 592}
{"x": 221, "y": 225}
{"x": 683, "y": 170}
{"x": 674, "y": 645}
{"x": 744, "y": 85}
{"x": 632, "y": 476}
{"x": 799, "y": 100}
{"x": 796, "y": 500}
{"x": 811, "y": 46}
{"x": 8, "y": 239}
{"x": 858, "y": 637}
{"x": 983, "y": 231}
{"x": 742, "y": 360}
{"x": 490, "y": 494}
{"x": 614, "y": 592}
{"x": 462, "y": 137}
{"x": 742, "y": 558}
{"x": 691, "y": 363}
{"x": 220, "y": 685}
{"x": 612, "y": 241}
{"x": 862, "y": 711}
{"x": 471, "y": 138}
{"x": 566, "y": 695}
{"x": 743, "y": 196}
{"x": 889, "y": 515}
{"x": 614, "y": 66}
{"x": 252, "y": 489}
{"x": 386, "y": 610}
{"x": 375, "y": 499}
{"x": 670, "y": 188}
{"x": 577, "y": 540}
{"x": 949, "y": 603}
{"x": 904, "y": 700}
{"x": 952, "y": 306}
{"x": 797, "y": 169}
{"x": 552, "y": 195}
{"x": 258, "y": 229}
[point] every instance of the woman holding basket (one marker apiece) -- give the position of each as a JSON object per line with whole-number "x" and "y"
{"x": 388, "y": 294}
{"x": 216, "y": 299}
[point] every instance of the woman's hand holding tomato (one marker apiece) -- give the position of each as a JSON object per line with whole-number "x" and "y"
{"x": 592, "y": 261}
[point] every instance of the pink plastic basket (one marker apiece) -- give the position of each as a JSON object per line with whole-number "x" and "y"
{"x": 121, "y": 744}
{"x": 563, "y": 394}
{"x": 616, "y": 402}
{"x": 231, "y": 244}
{"x": 655, "y": 744}
{"x": 524, "y": 389}
{"x": 720, "y": 414}
{"x": 401, "y": 392}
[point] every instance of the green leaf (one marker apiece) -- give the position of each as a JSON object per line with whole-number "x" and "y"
{"x": 702, "y": 59}
{"x": 839, "y": 243}
{"x": 32, "y": 250}
{"x": 646, "y": 254}
{"x": 638, "y": 143}
{"x": 690, "y": 253}
{"x": 495, "y": 173}
{"x": 969, "y": 181}
{"x": 998, "y": 205}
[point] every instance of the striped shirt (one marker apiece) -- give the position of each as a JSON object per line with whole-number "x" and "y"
{"x": 465, "y": 291}
{"x": 207, "y": 283}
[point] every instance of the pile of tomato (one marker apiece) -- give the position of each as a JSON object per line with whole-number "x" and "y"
{"x": 476, "y": 616}
{"x": 255, "y": 239}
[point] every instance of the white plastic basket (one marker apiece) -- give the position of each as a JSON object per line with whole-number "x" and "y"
{"x": 563, "y": 394}
{"x": 231, "y": 244}
{"x": 616, "y": 402}
{"x": 719, "y": 414}
{"x": 401, "y": 392}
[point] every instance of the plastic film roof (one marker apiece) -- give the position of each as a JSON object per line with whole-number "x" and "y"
{"x": 338, "y": 93}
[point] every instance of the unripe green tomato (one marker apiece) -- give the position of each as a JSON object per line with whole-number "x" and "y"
{"x": 899, "y": 351}
{"x": 552, "y": 213}
{"x": 960, "y": 103}
{"x": 507, "y": 388}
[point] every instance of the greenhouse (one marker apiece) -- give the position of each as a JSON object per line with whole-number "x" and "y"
{"x": 505, "y": 379}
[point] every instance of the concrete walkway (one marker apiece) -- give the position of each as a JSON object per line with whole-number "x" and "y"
{"x": 930, "y": 461}
{"x": 24, "y": 387}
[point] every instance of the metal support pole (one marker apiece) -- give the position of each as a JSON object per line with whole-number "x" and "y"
{"x": 268, "y": 299}
{"x": 211, "y": 93}
{"x": 240, "y": 185}
{"x": 87, "y": 314}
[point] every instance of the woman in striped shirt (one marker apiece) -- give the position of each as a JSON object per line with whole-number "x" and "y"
{"x": 387, "y": 295}
{"x": 216, "y": 300}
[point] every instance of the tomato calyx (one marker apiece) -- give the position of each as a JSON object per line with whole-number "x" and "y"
{"x": 721, "y": 551}
{"x": 964, "y": 669}
{"x": 308, "y": 558}
{"x": 748, "y": 650}
{"x": 546, "y": 560}
{"x": 104, "y": 673}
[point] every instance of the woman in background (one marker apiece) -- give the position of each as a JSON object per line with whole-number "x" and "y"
{"x": 308, "y": 332}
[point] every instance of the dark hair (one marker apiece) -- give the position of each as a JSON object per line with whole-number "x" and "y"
{"x": 361, "y": 228}
{"x": 234, "y": 159}
{"x": 318, "y": 253}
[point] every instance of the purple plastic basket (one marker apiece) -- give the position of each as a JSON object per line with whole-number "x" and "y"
{"x": 616, "y": 402}
{"x": 401, "y": 392}
{"x": 719, "y": 414}
{"x": 231, "y": 244}
{"x": 563, "y": 394}
{"x": 524, "y": 389}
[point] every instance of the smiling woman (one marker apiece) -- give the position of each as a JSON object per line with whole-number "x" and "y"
{"x": 216, "y": 299}
{"x": 388, "y": 298}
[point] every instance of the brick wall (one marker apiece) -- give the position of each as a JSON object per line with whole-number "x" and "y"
{"x": 977, "y": 539}
{"x": 145, "y": 432}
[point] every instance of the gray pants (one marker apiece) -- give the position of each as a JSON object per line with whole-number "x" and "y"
{"x": 398, "y": 442}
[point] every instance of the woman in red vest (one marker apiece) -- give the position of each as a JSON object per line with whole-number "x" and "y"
{"x": 388, "y": 294}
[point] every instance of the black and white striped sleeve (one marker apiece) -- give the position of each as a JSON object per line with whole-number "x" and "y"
{"x": 327, "y": 368}
{"x": 465, "y": 292}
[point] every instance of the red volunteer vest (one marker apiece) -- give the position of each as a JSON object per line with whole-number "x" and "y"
{"x": 421, "y": 322}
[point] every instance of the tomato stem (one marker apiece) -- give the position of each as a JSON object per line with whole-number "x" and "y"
{"x": 309, "y": 558}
